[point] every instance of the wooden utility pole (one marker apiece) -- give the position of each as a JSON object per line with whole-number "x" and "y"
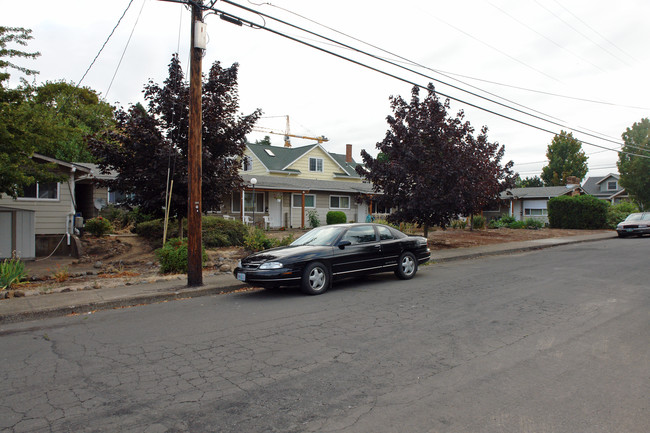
{"x": 194, "y": 211}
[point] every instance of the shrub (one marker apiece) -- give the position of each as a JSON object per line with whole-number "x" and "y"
{"x": 153, "y": 230}
{"x": 173, "y": 256}
{"x": 216, "y": 231}
{"x": 458, "y": 224}
{"x": 581, "y": 212}
{"x": 98, "y": 226}
{"x": 312, "y": 216}
{"x": 336, "y": 217}
{"x": 478, "y": 222}
{"x": 256, "y": 240}
{"x": 12, "y": 271}
{"x": 286, "y": 240}
{"x": 618, "y": 212}
{"x": 517, "y": 225}
{"x": 220, "y": 232}
{"x": 532, "y": 223}
{"x": 386, "y": 223}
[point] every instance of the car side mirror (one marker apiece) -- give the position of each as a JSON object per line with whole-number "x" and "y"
{"x": 344, "y": 244}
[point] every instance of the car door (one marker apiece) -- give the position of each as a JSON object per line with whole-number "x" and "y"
{"x": 391, "y": 247}
{"x": 362, "y": 255}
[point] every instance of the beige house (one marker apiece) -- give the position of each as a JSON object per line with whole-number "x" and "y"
{"x": 282, "y": 185}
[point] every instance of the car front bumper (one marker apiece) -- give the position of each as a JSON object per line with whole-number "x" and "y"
{"x": 268, "y": 277}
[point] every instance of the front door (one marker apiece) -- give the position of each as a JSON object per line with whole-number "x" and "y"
{"x": 275, "y": 212}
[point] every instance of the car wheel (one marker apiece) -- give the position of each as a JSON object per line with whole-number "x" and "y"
{"x": 315, "y": 279}
{"x": 621, "y": 235}
{"x": 407, "y": 266}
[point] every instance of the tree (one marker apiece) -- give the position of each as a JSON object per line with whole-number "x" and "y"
{"x": 529, "y": 182}
{"x": 565, "y": 158}
{"x": 51, "y": 119}
{"x": 266, "y": 141}
{"x": 634, "y": 163}
{"x": 430, "y": 167}
{"x": 17, "y": 145}
{"x": 151, "y": 142}
{"x": 16, "y": 35}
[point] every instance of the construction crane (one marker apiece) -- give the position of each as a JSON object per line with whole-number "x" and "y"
{"x": 286, "y": 134}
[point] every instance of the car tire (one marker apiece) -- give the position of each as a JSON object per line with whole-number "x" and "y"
{"x": 621, "y": 235}
{"x": 407, "y": 266}
{"x": 315, "y": 279}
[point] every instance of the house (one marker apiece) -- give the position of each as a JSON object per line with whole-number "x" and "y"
{"x": 606, "y": 188}
{"x": 523, "y": 203}
{"x": 91, "y": 198}
{"x": 283, "y": 184}
{"x": 42, "y": 221}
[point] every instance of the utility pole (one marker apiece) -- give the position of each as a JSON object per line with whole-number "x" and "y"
{"x": 194, "y": 164}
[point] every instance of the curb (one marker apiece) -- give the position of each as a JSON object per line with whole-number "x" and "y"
{"x": 519, "y": 249}
{"x": 182, "y": 292}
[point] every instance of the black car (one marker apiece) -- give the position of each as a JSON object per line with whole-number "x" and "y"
{"x": 334, "y": 252}
{"x": 635, "y": 224}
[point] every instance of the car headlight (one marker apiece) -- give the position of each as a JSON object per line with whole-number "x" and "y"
{"x": 271, "y": 265}
{"x": 239, "y": 264}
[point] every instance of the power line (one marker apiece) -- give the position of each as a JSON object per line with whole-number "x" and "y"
{"x": 595, "y": 31}
{"x": 233, "y": 18}
{"x": 125, "y": 48}
{"x": 580, "y": 33}
{"x": 105, "y": 42}
{"x": 400, "y": 78}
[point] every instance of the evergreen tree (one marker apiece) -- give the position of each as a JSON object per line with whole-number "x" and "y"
{"x": 565, "y": 158}
{"x": 634, "y": 163}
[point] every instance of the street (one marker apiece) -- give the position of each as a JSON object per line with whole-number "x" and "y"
{"x": 556, "y": 340}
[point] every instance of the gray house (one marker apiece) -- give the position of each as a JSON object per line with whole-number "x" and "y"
{"x": 523, "y": 203}
{"x": 606, "y": 188}
{"x": 42, "y": 220}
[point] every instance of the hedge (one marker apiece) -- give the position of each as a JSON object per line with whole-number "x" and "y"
{"x": 579, "y": 212}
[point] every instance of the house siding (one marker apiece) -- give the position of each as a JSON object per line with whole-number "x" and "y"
{"x": 329, "y": 167}
{"x": 50, "y": 218}
{"x": 258, "y": 167}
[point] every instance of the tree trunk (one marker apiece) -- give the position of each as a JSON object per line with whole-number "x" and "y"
{"x": 426, "y": 230}
{"x": 180, "y": 228}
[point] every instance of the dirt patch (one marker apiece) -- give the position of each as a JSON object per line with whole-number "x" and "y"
{"x": 120, "y": 260}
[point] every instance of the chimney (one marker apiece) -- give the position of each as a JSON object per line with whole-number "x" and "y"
{"x": 573, "y": 180}
{"x": 348, "y": 153}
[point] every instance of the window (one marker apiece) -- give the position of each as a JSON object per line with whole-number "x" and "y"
{"x": 612, "y": 185}
{"x": 535, "y": 212}
{"x": 360, "y": 235}
{"x": 248, "y": 202}
{"x": 339, "y": 202}
{"x": 116, "y": 197}
{"x": 316, "y": 164}
{"x": 42, "y": 191}
{"x": 310, "y": 200}
{"x": 247, "y": 163}
{"x": 384, "y": 233}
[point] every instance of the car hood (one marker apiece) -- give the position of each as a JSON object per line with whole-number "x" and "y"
{"x": 289, "y": 253}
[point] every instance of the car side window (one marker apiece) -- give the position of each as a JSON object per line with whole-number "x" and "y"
{"x": 360, "y": 235}
{"x": 646, "y": 217}
{"x": 384, "y": 233}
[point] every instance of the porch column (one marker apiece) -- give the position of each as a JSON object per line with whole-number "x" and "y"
{"x": 241, "y": 211}
{"x": 302, "y": 215}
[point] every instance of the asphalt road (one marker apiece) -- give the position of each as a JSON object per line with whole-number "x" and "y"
{"x": 556, "y": 340}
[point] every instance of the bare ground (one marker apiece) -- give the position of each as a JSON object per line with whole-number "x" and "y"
{"x": 127, "y": 259}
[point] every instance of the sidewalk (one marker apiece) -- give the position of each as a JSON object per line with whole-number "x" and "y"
{"x": 85, "y": 301}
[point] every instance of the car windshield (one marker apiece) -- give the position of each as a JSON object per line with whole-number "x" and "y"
{"x": 633, "y": 217}
{"x": 319, "y": 236}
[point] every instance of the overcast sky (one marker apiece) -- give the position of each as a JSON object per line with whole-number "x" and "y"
{"x": 550, "y": 58}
